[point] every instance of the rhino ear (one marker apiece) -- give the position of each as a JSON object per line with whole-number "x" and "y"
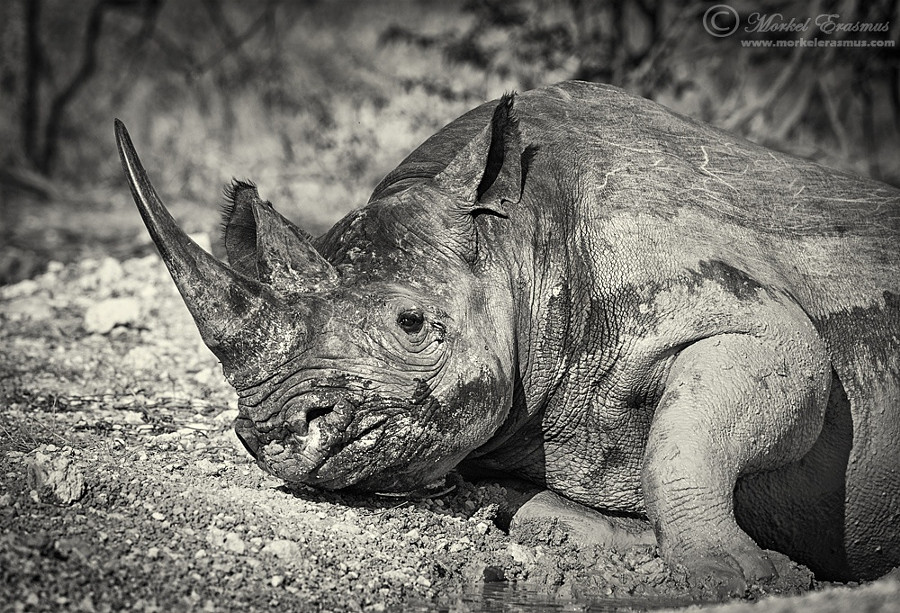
{"x": 266, "y": 246}
{"x": 239, "y": 228}
{"x": 488, "y": 172}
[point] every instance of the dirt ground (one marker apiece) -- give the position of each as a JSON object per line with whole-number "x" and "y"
{"x": 122, "y": 487}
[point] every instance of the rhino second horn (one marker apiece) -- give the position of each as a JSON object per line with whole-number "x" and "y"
{"x": 223, "y": 303}
{"x": 264, "y": 245}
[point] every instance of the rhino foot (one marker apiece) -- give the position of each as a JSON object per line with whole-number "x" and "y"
{"x": 550, "y": 518}
{"x": 741, "y": 570}
{"x": 727, "y": 574}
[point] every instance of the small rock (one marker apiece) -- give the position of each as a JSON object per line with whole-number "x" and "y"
{"x": 74, "y": 547}
{"x": 232, "y": 439}
{"x": 209, "y": 376}
{"x": 226, "y": 417}
{"x": 520, "y": 553}
{"x": 109, "y": 272}
{"x": 22, "y": 288}
{"x": 346, "y": 528}
{"x": 206, "y": 467}
{"x": 276, "y": 580}
{"x": 54, "y": 477}
{"x": 412, "y": 535}
{"x": 103, "y": 316}
{"x": 215, "y": 537}
{"x": 158, "y": 516}
{"x": 282, "y": 549}
{"x": 153, "y": 552}
{"x": 234, "y": 543}
{"x": 133, "y": 418}
{"x": 481, "y": 527}
{"x": 140, "y": 358}
{"x": 460, "y": 545}
{"x": 35, "y": 308}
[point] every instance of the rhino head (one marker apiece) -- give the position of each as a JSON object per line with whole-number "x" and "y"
{"x": 378, "y": 356}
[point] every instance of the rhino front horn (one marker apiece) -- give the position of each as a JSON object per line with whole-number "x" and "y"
{"x": 239, "y": 318}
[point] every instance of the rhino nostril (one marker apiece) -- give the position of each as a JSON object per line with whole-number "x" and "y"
{"x": 316, "y": 413}
{"x": 298, "y": 418}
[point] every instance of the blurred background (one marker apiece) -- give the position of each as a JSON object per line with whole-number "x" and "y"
{"x": 315, "y": 100}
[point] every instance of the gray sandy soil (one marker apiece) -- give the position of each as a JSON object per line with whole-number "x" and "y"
{"x": 122, "y": 487}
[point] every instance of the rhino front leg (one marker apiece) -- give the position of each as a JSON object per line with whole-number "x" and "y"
{"x": 733, "y": 404}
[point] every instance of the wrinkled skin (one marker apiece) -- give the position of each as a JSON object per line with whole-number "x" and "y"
{"x": 580, "y": 288}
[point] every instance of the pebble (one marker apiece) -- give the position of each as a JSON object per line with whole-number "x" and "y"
{"x": 413, "y": 535}
{"x": 109, "y": 272}
{"x": 17, "y": 290}
{"x": 234, "y": 543}
{"x": 54, "y": 477}
{"x": 423, "y": 581}
{"x": 520, "y": 553}
{"x": 346, "y": 528}
{"x": 141, "y": 358}
{"x": 226, "y": 417}
{"x": 103, "y": 316}
{"x": 205, "y": 467}
{"x": 282, "y": 549}
{"x": 35, "y": 308}
{"x": 215, "y": 536}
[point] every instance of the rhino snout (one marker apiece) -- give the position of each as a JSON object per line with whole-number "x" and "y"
{"x": 330, "y": 412}
{"x": 304, "y": 434}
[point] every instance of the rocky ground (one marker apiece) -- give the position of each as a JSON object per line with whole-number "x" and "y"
{"x": 122, "y": 487}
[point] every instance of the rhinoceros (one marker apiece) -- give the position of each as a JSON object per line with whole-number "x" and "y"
{"x": 577, "y": 287}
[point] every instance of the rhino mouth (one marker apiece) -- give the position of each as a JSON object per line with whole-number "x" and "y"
{"x": 327, "y": 447}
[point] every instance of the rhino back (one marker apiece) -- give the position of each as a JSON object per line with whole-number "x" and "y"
{"x": 829, "y": 238}
{"x": 605, "y": 127}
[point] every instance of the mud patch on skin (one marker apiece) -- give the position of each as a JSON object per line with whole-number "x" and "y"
{"x": 730, "y": 278}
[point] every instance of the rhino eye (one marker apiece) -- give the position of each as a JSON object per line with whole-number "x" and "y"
{"x": 411, "y": 321}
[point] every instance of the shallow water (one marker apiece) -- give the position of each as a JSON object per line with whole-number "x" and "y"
{"x": 512, "y": 598}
